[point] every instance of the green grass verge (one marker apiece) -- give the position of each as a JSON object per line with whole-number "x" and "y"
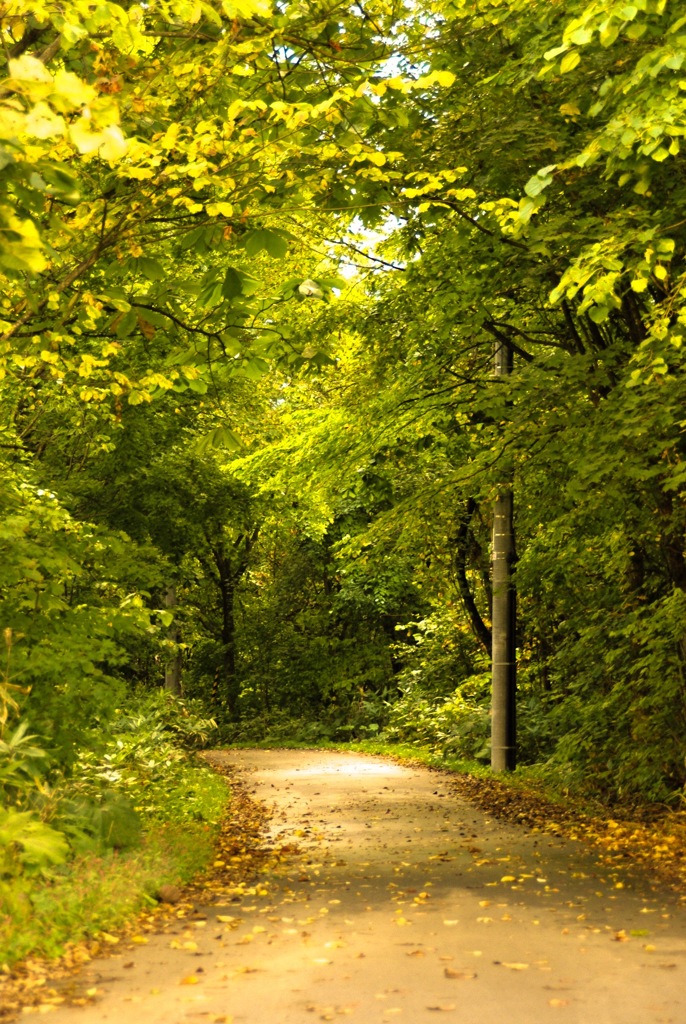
{"x": 95, "y": 893}
{"x": 405, "y": 751}
{"x": 553, "y": 784}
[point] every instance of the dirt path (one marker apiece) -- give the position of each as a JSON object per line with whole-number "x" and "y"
{"x": 403, "y": 903}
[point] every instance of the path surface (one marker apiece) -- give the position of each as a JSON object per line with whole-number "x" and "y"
{"x": 404, "y": 904}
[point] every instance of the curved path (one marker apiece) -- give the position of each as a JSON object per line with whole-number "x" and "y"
{"x": 401, "y": 902}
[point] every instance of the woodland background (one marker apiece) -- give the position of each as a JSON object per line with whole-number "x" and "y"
{"x": 254, "y": 263}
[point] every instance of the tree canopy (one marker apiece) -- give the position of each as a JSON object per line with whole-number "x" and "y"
{"x": 255, "y": 261}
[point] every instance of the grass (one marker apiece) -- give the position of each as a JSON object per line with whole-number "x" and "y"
{"x": 551, "y": 783}
{"x": 96, "y": 893}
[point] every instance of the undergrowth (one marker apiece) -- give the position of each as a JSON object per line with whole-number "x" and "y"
{"x": 81, "y": 852}
{"x": 94, "y": 894}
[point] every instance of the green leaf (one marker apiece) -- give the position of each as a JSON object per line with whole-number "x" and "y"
{"x": 540, "y": 180}
{"x": 221, "y": 437}
{"x": 569, "y": 61}
{"x": 127, "y": 324}
{"x": 262, "y": 239}
{"x": 33, "y": 843}
{"x": 253, "y": 368}
{"x": 233, "y": 284}
{"x": 150, "y": 268}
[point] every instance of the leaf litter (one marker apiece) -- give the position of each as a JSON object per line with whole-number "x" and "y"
{"x": 38, "y": 985}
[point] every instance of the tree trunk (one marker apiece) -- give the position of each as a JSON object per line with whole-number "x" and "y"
{"x": 230, "y": 683}
{"x": 503, "y": 664}
{"x": 172, "y": 670}
{"x": 479, "y": 627}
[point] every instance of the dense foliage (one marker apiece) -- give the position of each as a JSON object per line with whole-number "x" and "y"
{"x": 255, "y": 261}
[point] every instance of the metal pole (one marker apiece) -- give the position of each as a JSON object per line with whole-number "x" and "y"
{"x": 504, "y": 656}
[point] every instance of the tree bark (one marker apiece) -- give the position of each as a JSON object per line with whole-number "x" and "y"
{"x": 172, "y": 670}
{"x": 503, "y": 662}
{"x": 229, "y": 681}
{"x": 479, "y": 627}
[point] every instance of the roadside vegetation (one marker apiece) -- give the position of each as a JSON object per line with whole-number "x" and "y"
{"x": 83, "y": 851}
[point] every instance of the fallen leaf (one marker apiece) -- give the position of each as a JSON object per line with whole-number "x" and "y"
{"x": 444, "y": 1007}
{"x": 449, "y": 972}
{"x": 516, "y": 966}
{"x": 558, "y": 1002}
{"x": 191, "y": 979}
{"x": 450, "y": 924}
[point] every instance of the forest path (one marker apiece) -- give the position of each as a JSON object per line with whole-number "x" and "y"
{"x": 399, "y": 901}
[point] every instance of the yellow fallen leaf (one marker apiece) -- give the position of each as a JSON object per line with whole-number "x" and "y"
{"x": 140, "y": 940}
{"x": 111, "y": 939}
{"x": 321, "y": 960}
{"x": 192, "y": 979}
{"x": 508, "y": 878}
{"x": 450, "y": 924}
{"x": 516, "y": 966}
{"x": 449, "y": 972}
{"x": 558, "y": 1002}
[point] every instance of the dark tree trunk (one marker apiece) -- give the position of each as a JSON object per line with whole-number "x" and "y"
{"x": 479, "y": 627}
{"x": 229, "y": 681}
{"x": 172, "y": 670}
